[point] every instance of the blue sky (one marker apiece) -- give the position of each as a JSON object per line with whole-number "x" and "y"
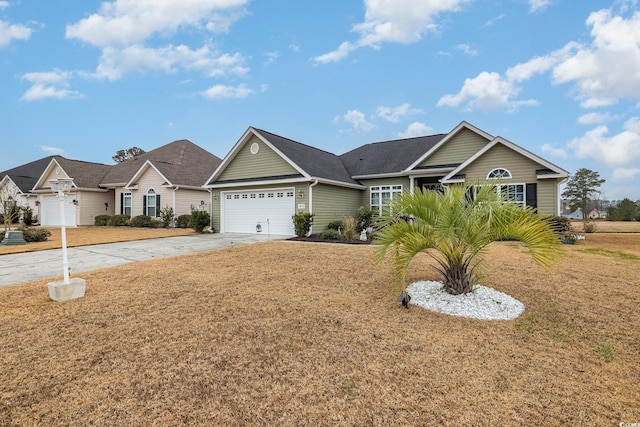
{"x": 559, "y": 77}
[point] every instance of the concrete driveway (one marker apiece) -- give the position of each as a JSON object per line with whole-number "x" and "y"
{"x": 25, "y": 267}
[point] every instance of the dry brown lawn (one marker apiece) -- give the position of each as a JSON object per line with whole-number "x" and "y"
{"x": 81, "y": 236}
{"x": 290, "y": 333}
{"x": 610, "y": 226}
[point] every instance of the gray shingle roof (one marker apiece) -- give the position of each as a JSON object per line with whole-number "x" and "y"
{"x": 25, "y": 176}
{"x": 315, "y": 162}
{"x": 388, "y": 156}
{"x": 84, "y": 174}
{"x": 182, "y": 162}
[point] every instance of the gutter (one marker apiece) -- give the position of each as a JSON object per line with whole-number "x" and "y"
{"x": 315, "y": 182}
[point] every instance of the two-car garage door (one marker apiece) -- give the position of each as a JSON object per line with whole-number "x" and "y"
{"x": 272, "y": 209}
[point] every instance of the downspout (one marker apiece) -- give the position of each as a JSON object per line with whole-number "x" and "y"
{"x": 210, "y": 210}
{"x": 173, "y": 222}
{"x": 311, "y": 199}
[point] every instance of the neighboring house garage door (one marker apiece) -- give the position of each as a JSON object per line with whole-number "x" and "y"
{"x": 50, "y": 211}
{"x": 243, "y": 210}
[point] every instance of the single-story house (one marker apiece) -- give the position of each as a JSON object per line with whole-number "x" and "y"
{"x": 170, "y": 176}
{"x": 597, "y": 214}
{"x": 568, "y": 213}
{"x": 266, "y": 178}
{"x": 16, "y": 184}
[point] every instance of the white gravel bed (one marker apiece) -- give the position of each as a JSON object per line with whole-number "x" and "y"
{"x": 483, "y": 303}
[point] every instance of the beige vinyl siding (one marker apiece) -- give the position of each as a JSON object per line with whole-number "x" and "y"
{"x": 523, "y": 171}
{"x": 331, "y": 203}
{"x": 185, "y": 199}
{"x": 366, "y": 195}
{"x": 299, "y": 187}
{"x": 56, "y": 172}
{"x": 264, "y": 163}
{"x": 458, "y": 149}
{"x": 150, "y": 179}
{"x": 91, "y": 204}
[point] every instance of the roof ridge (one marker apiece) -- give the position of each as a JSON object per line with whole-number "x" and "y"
{"x": 293, "y": 140}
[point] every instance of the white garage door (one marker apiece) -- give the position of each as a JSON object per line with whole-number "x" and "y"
{"x": 272, "y": 209}
{"x": 50, "y": 211}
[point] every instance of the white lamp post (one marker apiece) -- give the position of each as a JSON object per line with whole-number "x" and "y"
{"x": 62, "y": 186}
{"x": 68, "y": 288}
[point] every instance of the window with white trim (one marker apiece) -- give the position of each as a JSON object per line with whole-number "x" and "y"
{"x": 499, "y": 173}
{"x": 513, "y": 193}
{"x": 151, "y": 203}
{"x": 127, "y": 200}
{"x": 382, "y": 195}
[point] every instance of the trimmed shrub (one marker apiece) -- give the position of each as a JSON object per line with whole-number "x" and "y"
{"x": 331, "y": 234}
{"x": 101, "y": 220}
{"x": 335, "y": 225}
{"x": 199, "y": 220}
{"x": 141, "y": 221}
{"x": 364, "y": 217}
{"x": 302, "y": 222}
{"x": 35, "y": 234}
{"x": 156, "y": 223}
{"x": 166, "y": 216}
{"x": 119, "y": 220}
{"x": 589, "y": 227}
{"x": 183, "y": 221}
{"x": 27, "y": 216}
{"x": 559, "y": 224}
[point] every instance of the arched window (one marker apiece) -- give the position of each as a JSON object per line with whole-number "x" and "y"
{"x": 151, "y": 203}
{"x": 499, "y": 173}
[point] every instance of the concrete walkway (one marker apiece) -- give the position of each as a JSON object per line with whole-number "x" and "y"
{"x": 25, "y": 267}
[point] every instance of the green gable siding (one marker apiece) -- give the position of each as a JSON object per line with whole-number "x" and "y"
{"x": 331, "y": 203}
{"x": 523, "y": 170}
{"x": 265, "y": 163}
{"x": 458, "y": 149}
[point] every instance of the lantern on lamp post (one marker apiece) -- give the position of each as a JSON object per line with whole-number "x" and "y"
{"x": 68, "y": 288}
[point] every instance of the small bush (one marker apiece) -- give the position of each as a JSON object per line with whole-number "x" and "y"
{"x": 364, "y": 216}
{"x": 27, "y": 216}
{"x": 101, "y": 220}
{"x": 589, "y": 226}
{"x": 35, "y": 234}
{"x": 335, "y": 225}
{"x": 560, "y": 224}
{"x": 156, "y": 223}
{"x": 183, "y": 221}
{"x": 568, "y": 239}
{"x": 166, "y": 216}
{"x": 199, "y": 220}
{"x": 141, "y": 221}
{"x": 331, "y": 234}
{"x": 349, "y": 231}
{"x": 119, "y": 220}
{"x": 302, "y": 222}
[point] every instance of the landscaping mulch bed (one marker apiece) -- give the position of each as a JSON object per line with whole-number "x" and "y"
{"x": 286, "y": 333}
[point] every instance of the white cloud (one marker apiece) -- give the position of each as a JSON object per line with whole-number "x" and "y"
{"x": 358, "y": 120}
{"x": 492, "y": 21}
{"x": 10, "y": 32}
{"x": 467, "y": 49}
{"x": 52, "y": 84}
{"x": 554, "y": 151}
{"x": 395, "y": 114}
{"x": 594, "y": 118}
{"x": 127, "y": 32}
{"x": 617, "y": 151}
{"x": 538, "y": 5}
{"x": 4, "y": 4}
{"x": 487, "y": 91}
{"x": 52, "y": 151}
{"x": 224, "y": 92}
{"x": 416, "y": 129}
{"x": 624, "y": 174}
{"x": 616, "y": 40}
{"x": 399, "y": 21}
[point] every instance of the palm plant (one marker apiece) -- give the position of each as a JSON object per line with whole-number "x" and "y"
{"x": 455, "y": 227}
